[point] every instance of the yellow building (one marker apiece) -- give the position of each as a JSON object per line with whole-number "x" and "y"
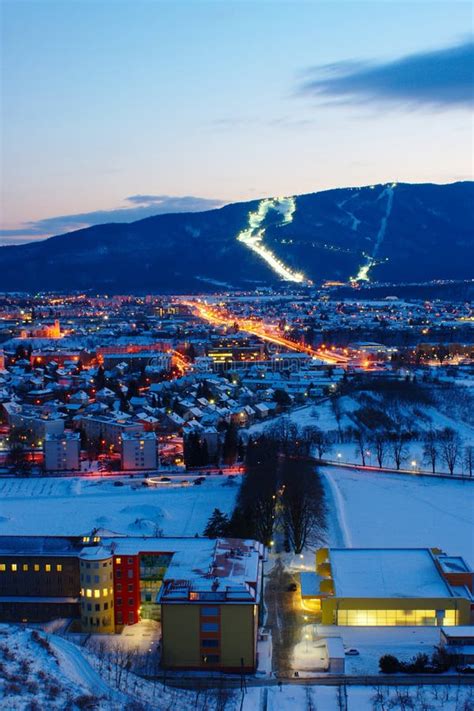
{"x": 97, "y": 590}
{"x": 389, "y": 586}
{"x": 210, "y": 604}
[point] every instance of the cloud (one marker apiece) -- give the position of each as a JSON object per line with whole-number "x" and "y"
{"x": 442, "y": 78}
{"x": 137, "y": 208}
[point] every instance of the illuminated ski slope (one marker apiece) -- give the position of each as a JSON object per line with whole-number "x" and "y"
{"x": 371, "y": 259}
{"x": 253, "y": 235}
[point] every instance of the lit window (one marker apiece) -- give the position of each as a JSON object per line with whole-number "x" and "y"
{"x": 25, "y": 566}
{"x": 96, "y": 593}
{"x": 86, "y": 539}
{"x": 105, "y": 592}
{"x": 14, "y": 567}
{"x": 118, "y": 561}
{"x": 59, "y": 567}
{"x": 2, "y": 567}
{"x": 88, "y": 593}
{"x": 47, "y": 567}
{"x": 36, "y": 567}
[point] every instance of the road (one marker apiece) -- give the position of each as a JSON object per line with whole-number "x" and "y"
{"x": 267, "y": 332}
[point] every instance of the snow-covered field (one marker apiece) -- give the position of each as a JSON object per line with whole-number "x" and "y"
{"x": 372, "y": 510}
{"x": 54, "y": 506}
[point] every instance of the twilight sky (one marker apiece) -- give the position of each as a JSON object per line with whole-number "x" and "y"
{"x": 113, "y": 110}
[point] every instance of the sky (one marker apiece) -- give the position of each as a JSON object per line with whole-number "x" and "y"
{"x": 113, "y": 110}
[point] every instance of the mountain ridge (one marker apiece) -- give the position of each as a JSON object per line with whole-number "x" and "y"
{"x": 385, "y": 232}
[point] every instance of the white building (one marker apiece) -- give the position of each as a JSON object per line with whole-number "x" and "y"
{"x": 139, "y": 451}
{"x": 61, "y": 452}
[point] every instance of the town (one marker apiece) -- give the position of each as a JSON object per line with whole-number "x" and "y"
{"x": 235, "y": 460}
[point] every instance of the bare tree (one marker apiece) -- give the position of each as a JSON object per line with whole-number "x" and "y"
{"x": 319, "y": 438}
{"x": 380, "y": 444}
{"x": 303, "y": 503}
{"x": 450, "y": 448}
{"x": 361, "y": 440}
{"x": 469, "y": 458}
{"x": 431, "y": 448}
{"x": 337, "y": 410}
{"x": 399, "y": 447}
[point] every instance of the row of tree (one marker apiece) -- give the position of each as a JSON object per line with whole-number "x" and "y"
{"x": 280, "y": 493}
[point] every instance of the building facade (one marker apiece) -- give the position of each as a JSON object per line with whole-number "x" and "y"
{"x": 389, "y": 587}
{"x": 62, "y": 452}
{"x": 139, "y": 451}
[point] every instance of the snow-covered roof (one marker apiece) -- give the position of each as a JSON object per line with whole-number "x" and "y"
{"x": 386, "y": 573}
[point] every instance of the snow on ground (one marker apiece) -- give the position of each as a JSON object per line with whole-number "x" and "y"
{"x": 368, "y": 509}
{"x": 38, "y": 673}
{"x": 359, "y": 698}
{"x": 55, "y": 506}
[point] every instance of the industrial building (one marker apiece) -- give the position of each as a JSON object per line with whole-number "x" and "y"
{"x": 389, "y": 586}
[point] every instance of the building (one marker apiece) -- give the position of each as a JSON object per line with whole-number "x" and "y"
{"x": 139, "y": 451}
{"x": 207, "y": 593}
{"x": 62, "y": 452}
{"x": 210, "y": 606}
{"x": 39, "y": 421}
{"x": 107, "y": 429}
{"x": 458, "y": 642}
{"x": 389, "y": 586}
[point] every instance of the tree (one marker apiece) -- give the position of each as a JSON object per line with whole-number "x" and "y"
{"x": 303, "y": 503}
{"x": 431, "y": 449}
{"x": 469, "y": 458}
{"x": 389, "y": 664}
{"x": 315, "y": 436}
{"x": 361, "y": 445}
{"x": 398, "y": 447}
{"x": 450, "y": 443}
{"x": 99, "y": 379}
{"x": 380, "y": 444}
{"x": 337, "y": 410}
{"x": 282, "y": 398}
{"x": 231, "y": 444}
{"x": 217, "y": 525}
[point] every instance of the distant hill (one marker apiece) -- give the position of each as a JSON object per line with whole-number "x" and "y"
{"x": 386, "y": 233}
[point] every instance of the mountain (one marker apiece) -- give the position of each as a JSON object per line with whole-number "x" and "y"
{"x": 386, "y": 233}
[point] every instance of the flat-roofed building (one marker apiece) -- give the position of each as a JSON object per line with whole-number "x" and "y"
{"x": 387, "y": 586}
{"x": 62, "y": 452}
{"x": 139, "y": 452}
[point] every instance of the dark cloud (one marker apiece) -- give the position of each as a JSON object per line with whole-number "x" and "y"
{"x": 141, "y": 206}
{"x": 441, "y": 78}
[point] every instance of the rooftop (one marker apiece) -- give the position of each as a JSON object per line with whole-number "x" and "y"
{"x": 386, "y": 573}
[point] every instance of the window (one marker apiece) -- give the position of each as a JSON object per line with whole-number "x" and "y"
{"x": 105, "y": 592}
{"x": 106, "y": 605}
{"x": 209, "y": 643}
{"x": 118, "y": 561}
{"x": 130, "y": 588}
{"x": 209, "y": 611}
{"x": 130, "y": 561}
{"x": 96, "y": 593}
{"x": 130, "y": 573}
{"x": 59, "y": 567}
{"x": 119, "y": 602}
{"x": 119, "y": 587}
{"x": 131, "y": 617}
{"x": 14, "y": 567}
{"x": 2, "y": 567}
{"x": 89, "y": 607}
{"x": 209, "y": 627}
{"x": 36, "y": 567}
{"x": 130, "y": 601}
{"x": 96, "y": 579}
{"x": 118, "y": 574}
{"x": 25, "y": 567}
{"x": 97, "y": 607}
{"x": 88, "y": 593}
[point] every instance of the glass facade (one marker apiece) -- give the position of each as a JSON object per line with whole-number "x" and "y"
{"x": 392, "y": 618}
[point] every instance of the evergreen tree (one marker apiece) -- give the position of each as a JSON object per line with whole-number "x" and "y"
{"x": 217, "y": 525}
{"x": 231, "y": 444}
